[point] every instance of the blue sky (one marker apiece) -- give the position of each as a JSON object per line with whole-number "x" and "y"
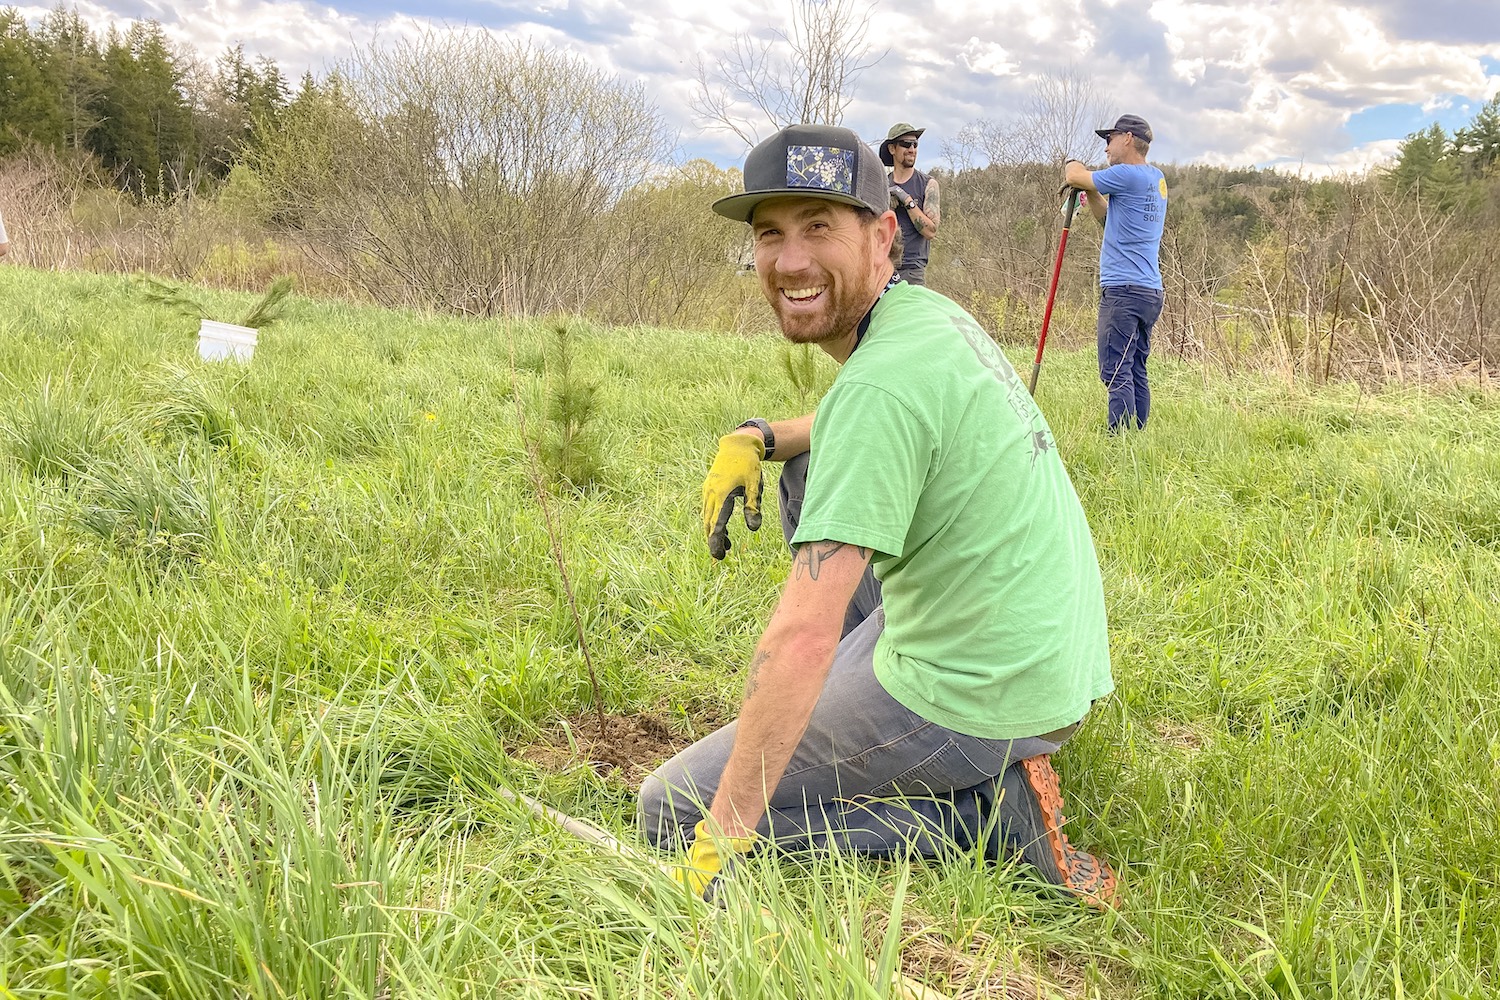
{"x": 1316, "y": 85}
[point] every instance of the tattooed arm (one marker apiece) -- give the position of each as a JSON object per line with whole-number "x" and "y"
{"x": 786, "y": 677}
{"x": 930, "y": 215}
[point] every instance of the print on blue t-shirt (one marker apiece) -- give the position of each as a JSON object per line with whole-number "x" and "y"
{"x": 1132, "y": 228}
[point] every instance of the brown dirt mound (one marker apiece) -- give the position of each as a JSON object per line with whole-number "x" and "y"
{"x": 628, "y": 748}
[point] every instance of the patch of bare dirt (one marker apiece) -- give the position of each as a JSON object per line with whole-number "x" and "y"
{"x": 626, "y": 749}
{"x": 1178, "y": 736}
{"x": 979, "y": 968}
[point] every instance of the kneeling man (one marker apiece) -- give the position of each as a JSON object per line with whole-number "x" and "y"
{"x": 942, "y": 629}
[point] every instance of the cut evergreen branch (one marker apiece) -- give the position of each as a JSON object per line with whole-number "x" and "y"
{"x": 268, "y": 310}
{"x": 170, "y": 296}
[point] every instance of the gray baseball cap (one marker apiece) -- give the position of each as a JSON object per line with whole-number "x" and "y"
{"x": 810, "y": 161}
{"x": 1134, "y": 124}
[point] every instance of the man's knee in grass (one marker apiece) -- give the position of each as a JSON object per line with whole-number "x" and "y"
{"x": 658, "y": 821}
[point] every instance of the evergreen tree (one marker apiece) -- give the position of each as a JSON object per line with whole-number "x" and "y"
{"x": 243, "y": 105}
{"x": 1427, "y": 167}
{"x": 298, "y": 161}
{"x": 146, "y": 136}
{"x": 75, "y": 66}
{"x": 164, "y": 99}
{"x": 1479, "y": 144}
{"x": 269, "y": 97}
{"x": 29, "y": 106}
{"x": 228, "y": 124}
{"x": 122, "y": 139}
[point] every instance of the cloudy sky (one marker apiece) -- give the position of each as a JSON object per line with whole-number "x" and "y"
{"x": 1317, "y": 85}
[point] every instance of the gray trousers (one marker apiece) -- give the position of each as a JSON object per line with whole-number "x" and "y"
{"x": 869, "y": 775}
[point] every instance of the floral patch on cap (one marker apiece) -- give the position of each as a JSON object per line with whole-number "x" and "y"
{"x": 824, "y": 167}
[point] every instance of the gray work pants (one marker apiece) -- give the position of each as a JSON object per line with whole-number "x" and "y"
{"x": 869, "y": 775}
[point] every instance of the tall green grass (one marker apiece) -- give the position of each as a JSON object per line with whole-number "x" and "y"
{"x": 270, "y": 636}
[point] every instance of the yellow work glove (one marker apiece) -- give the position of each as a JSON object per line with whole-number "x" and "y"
{"x": 735, "y": 473}
{"x": 706, "y": 859}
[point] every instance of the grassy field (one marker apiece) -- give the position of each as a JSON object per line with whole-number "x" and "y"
{"x": 272, "y": 637}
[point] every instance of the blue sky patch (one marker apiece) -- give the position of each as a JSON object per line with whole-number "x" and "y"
{"x": 1397, "y": 121}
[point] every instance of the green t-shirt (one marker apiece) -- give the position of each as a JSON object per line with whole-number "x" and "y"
{"x": 929, "y": 450}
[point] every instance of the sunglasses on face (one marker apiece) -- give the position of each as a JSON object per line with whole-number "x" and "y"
{"x": 907, "y": 143}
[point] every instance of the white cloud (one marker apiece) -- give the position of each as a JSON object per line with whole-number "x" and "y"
{"x": 1222, "y": 83}
{"x": 988, "y": 58}
{"x": 1350, "y": 162}
{"x": 1278, "y": 82}
{"x": 299, "y": 36}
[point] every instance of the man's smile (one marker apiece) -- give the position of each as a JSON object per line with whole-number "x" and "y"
{"x": 802, "y": 295}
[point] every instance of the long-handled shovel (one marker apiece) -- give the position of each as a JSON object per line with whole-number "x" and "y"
{"x": 906, "y": 988}
{"x": 1070, "y": 207}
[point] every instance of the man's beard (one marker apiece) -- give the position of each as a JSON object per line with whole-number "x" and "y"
{"x": 841, "y": 313}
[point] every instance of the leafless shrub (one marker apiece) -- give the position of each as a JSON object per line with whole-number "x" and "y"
{"x": 1196, "y": 268}
{"x": 682, "y": 270}
{"x": 806, "y": 73}
{"x": 1000, "y": 232}
{"x": 1057, "y": 118}
{"x": 1337, "y": 278}
{"x": 464, "y": 171}
{"x": 38, "y": 187}
{"x": 1364, "y": 283}
{"x": 1419, "y": 285}
{"x": 62, "y": 213}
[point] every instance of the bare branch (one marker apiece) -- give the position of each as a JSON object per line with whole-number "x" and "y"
{"x": 805, "y": 73}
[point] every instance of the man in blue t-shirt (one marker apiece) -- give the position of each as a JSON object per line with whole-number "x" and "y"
{"x": 1132, "y": 210}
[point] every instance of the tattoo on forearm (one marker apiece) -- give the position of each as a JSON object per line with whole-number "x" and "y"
{"x": 752, "y": 681}
{"x": 811, "y": 556}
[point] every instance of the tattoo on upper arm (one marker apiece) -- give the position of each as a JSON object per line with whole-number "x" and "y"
{"x": 811, "y": 556}
{"x": 930, "y": 205}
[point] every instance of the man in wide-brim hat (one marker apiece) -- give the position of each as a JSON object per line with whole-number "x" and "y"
{"x": 915, "y": 198}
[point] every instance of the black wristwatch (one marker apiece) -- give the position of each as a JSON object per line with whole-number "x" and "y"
{"x": 764, "y": 427}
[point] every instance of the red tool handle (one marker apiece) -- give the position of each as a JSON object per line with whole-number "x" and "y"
{"x": 1062, "y": 243}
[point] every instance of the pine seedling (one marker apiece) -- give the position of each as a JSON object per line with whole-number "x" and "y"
{"x": 801, "y": 368}
{"x": 539, "y": 487}
{"x": 570, "y": 451}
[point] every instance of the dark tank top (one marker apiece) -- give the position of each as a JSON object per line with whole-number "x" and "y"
{"x": 914, "y": 244}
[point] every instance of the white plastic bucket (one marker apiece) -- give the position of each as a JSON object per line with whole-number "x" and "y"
{"x": 225, "y": 341}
